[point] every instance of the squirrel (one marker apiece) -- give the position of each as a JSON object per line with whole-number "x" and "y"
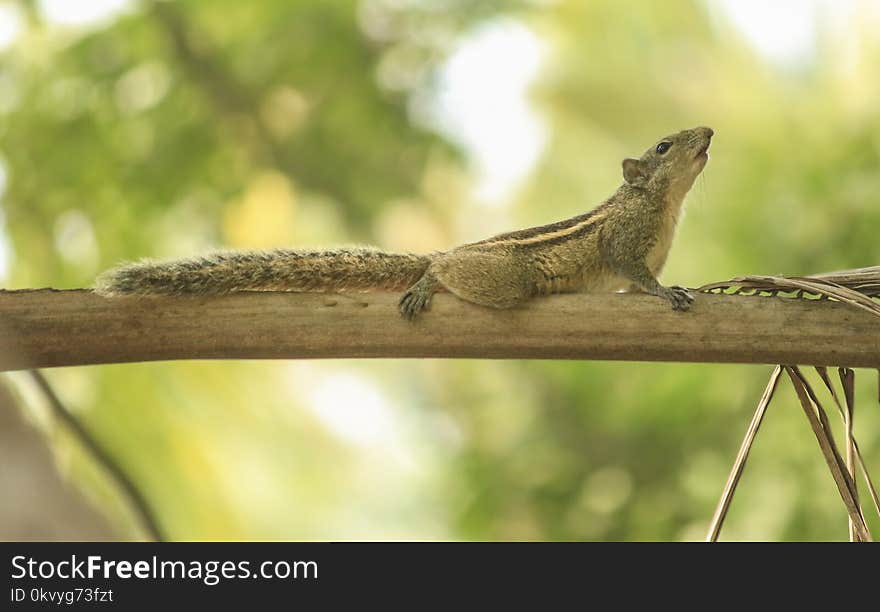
{"x": 621, "y": 244}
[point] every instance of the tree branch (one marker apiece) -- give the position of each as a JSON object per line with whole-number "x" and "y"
{"x": 44, "y": 328}
{"x": 137, "y": 499}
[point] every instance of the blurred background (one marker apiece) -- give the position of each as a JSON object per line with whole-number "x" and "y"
{"x": 132, "y": 129}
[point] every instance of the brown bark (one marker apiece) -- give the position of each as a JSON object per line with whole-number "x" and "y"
{"x": 45, "y": 328}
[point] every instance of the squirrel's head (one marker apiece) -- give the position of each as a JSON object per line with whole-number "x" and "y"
{"x": 672, "y": 164}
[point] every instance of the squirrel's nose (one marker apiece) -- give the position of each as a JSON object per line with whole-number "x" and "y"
{"x": 708, "y": 131}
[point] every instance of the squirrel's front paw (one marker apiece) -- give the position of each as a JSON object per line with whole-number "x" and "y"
{"x": 679, "y": 297}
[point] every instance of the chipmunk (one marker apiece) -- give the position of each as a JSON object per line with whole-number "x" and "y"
{"x": 621, "y": 244}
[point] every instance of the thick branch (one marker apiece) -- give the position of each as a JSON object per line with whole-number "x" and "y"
{"x": 44, "y": 328}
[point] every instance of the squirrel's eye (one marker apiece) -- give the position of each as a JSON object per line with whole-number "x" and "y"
{"x": 663, "y": 147}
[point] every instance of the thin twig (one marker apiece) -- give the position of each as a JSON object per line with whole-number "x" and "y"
{"x": 819, "y": 423}
{"x": 137, "y": 499}
{"x": 741, "y": 457}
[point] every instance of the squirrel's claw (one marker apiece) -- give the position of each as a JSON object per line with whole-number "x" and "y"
{"x": 412, "y": 303}
{"x": 418, "y": 297}
{"x": 679, "y": 297}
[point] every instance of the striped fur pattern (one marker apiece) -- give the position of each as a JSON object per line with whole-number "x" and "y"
{"x": 623, "y": 243}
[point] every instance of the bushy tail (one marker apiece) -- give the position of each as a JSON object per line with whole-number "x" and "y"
{"x": 352, "y": 269}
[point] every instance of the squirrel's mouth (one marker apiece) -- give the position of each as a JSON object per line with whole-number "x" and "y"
{"x": 703, "y": 150}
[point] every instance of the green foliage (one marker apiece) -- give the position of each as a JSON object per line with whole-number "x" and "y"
{"x": 180, "y": 126}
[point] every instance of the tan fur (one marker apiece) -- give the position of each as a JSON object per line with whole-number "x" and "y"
{"x": 346, "y": 269}
{"x": 624, "y": 242}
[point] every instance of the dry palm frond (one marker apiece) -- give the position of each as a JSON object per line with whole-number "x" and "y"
{"x": 847, "y": 379}
{"x": 822, "y": 429}
{"x": 741, "y": 457}
{"x": 859, "y": 288}
{"x": 856, "y": 287}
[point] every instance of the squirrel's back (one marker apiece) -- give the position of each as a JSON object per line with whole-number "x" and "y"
{"x": 347, "y": 269}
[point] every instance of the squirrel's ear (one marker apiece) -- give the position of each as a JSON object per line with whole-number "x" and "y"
{"x": 632, "y": 172}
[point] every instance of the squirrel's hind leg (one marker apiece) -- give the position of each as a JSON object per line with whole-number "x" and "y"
{"x": 496, "y": 280}
{"x": 418, "y": 297}
{"x": 487, "y": 279}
